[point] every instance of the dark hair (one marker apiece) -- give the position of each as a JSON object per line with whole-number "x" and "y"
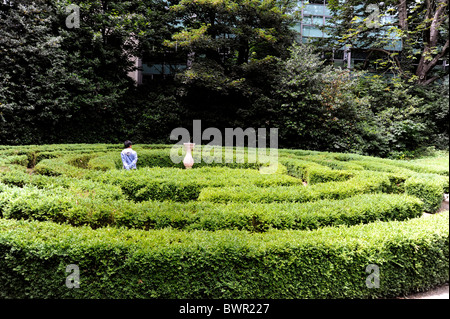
{"x": 127, "y": 144}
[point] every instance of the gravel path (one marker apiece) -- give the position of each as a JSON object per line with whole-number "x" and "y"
{"x": 441, "y": 292}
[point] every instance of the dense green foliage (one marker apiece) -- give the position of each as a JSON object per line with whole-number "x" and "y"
{"x": 118, "y": 263}
{"x": 308, "y": 230}
{"x": 99, "y": 210}
{"x": 323, "y": 108}
{"x": 55, "y": 79}
{"x": 420, "y": 27}
{"x": 241, "y": 70}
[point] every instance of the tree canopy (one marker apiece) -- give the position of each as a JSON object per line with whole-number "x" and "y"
{"x": 420, "y": 26}
{"x": 66, "y": 82}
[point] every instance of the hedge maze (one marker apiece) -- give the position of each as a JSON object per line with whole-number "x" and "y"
{"x": 309, "y": 230}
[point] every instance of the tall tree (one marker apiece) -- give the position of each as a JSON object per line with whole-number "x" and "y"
{"x": 421, "y": 26}
{"x": 232, "y": 48}
{"x": 318, "y": 109}
{"x": 33, "y": 72}
{"x": 233, "y": 30}
{"x": 63, "y": 81}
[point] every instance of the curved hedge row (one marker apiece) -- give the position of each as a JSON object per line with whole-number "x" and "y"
{"x": 326, "y": 263}
{"x": 184, "y": 185}
{"x": 217, "y": 232}
{"x": 161, "y": 158}
{"x": 70, "y": 186}
{"x": 239, "y": 184}
{"x": 313, "y": 173}
{"x": 361, "y": 162}
{"x": 311, "y": 167}
{"x": 361, "y": 184}
{"x": 59, "y": 206}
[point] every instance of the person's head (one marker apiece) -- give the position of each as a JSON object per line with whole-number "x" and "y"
{"x": 127, "y": 144}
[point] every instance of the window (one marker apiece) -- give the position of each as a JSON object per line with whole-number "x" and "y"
{"x": 311, "y": 31}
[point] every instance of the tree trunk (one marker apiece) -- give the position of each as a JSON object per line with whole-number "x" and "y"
{"x": 243, "y": 52}
{"x": 430, "y": 59}
{"x": 403, "y": 15}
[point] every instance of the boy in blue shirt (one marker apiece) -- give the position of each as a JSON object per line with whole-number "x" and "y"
{"x": 129, "y": 157}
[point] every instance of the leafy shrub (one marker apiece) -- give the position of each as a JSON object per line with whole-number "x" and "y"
{"x": 104, "y": 162}
{"x": 218, "y": 230}
{"x": 59, "y": 206}
{"x": 161, "y": 157}
{"x": 328, "y": 160}
{"x": 118, "y": 263}
{"x": 29, "y": 203}
{"x": 323, "y": 176}
{"x": 57, "y": 167}
{"x": 399, "y": 167}
{"x": 361, "y": 184}
{"x": 47, "y": 155}
{"x": 81, "y": 161}
{"x": 359, "y": 162}
{"x": 429, "y": 191}
{"x": 14, "y": 177}
{"x": 21, "y": 160}
{"x": 299, "y": 168}
{"x": 72, "y": 186}
{"x": 313, "y": 173}
{"x": 382, "y": 167}
{"x": 179, "y": 184}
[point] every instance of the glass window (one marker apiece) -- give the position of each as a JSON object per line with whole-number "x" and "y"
{"x": 309, "y": 31}
{"x": 326, "y": 11}
{"x": 296, "y": 28}
{"x": 313, "y": 20}
{"x": 314, "y": 9}
{"x": 317, "y": 20}
{"x": 338, "y": 54}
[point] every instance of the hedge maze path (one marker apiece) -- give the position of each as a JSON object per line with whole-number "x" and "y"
{"x": 310, "y": 230}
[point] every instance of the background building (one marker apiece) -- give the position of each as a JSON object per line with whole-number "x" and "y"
{"x": 314, "y": 14}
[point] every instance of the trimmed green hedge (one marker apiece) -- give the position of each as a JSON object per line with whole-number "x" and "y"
{"x": 19, "y": 178}
{"x": 155, "y": 183}
{"x": 416, "y": 167}
{"x": 100, "y": 157}
{"x": 326, "y": 263}
{"x": 21, "y": 160}
{"x": 328, "y": 159}
{"x": 217, "y": 232}
{"x": 59, "y": 206}
{"x": 105, "y": 162}
{"x": 361, "y": 184}
{"x": 313, "y": 173}
{"x": 184, "y": 185}
{"x": 429, "y": 191}
{"x": 58, "y": 167}
{"x": 70, "y": 186}
{"x": 360, "y": 162}
{"x": 146, "y": 158}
